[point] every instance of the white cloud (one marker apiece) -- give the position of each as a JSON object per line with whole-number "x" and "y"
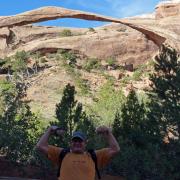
{"x": 117, "y": 8}
{"x": 169, "y": 1}
{"x": 131, "y": 8}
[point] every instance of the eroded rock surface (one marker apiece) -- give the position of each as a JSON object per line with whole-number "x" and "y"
{"x": 48, "y": 13}
{"x": 164, "y": 10}
{"x": 129, "y": 40}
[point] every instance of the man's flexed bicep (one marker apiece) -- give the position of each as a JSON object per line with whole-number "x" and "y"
{"x": 42, "y": 144}
{"x": 113, "y": 146}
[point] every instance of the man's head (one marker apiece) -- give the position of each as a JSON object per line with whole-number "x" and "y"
{"x": 78, "y": 142}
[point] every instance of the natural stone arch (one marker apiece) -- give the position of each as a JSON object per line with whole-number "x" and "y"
{"x": 50, "y": 13}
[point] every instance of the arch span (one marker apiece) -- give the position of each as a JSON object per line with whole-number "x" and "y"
{"x": 50, "y": 13}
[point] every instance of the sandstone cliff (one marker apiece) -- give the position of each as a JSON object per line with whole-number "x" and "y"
{"x": 113, "y": 42}
{"x": 131, "y": 41}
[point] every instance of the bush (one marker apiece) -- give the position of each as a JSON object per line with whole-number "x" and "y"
{"x": 91, "y": 29}
{"x": 111, "y": 61}
{"x": 43, "y": 60}
{"x": 19, "y": 127}
{"x": 83, "y": 85}
{"x": 71, "y": 57}
{"x": 92, "y": 63}
{"x": 66, "y": 33}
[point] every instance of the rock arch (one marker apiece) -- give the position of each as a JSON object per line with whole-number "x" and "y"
{"x": 50, "y": 13}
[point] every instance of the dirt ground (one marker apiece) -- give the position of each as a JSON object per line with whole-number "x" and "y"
{"x": 108, "y": 177}
{"x": 12, "y": 171}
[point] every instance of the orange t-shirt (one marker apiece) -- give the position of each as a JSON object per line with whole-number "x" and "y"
{"x": 78, "y": 166}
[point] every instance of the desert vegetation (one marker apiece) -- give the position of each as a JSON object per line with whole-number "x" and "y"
{"x": 147, "y": 126}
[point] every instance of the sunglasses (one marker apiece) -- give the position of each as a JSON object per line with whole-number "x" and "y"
{"x": 77, "y": 140}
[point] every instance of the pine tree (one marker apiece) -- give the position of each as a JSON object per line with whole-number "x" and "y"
{"x": 19, "y": 127}
{"x": 139, "y": 140}
{"x": 166, "y": 87}
{"x": 71, "y": 116}
{"x": 68, "y": 110}
{"x": 130, "y": 121}
{"x": 166, "y": 107}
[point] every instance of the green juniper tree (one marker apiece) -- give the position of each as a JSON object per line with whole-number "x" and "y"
{"x": 129, "y": 120}
{"x": 70, "y": 115}
{"x": 138, "y": 138}
{"x": 141, "y": 129}
{"x": 166, "y": 106}
{"x": 19, "y": 127}
{"x": 19, "y": 64}
{"x": 166, "y": 89}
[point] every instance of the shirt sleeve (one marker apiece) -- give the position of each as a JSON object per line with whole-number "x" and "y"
{"x": 53, "y": 154}
{"x": 103, "y": 157}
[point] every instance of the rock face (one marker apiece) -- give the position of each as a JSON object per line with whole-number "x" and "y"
{"x": 168, "y": 9}
{"x": 49, "y": 13}
{"x": 121, "y": 42}
{"x": 128, "y": 40}
{"x": 131, "y": 41}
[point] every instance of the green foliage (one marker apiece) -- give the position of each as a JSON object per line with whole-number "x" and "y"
{"x": 43, "y": 60}
{"x": 107, "y": 102}
{"x": 2, "y": 62}
{"x": 70, "y": 58}
{"x": 66, "y": 33}
{"x": 86, "y": 125}
{"x": 139, "y": 72}
{"x": 141, "y": 128}
{"x": 50, "y": 55}
{"x": 69, "y": 62}
{"x": 133, "y": 121}
{"x": 82, "y": 84}
{"x": 17, "y": 64}
{"x": 36, "y": 55}
{"x": 91, "y": 29}
{"x": 166, "y": 86}
{"x": 20, "y": 61}
{"x": 71, "y": 116}
{"x": 111, "y": 61}
{"x": 92, "y": 63}
{"x": 19, "y": 127}
{"x": 166, "y": 103}
{"x": 7, "y": 92}
{"x": 137, "y": 75}
{"x": 140, "y": 140}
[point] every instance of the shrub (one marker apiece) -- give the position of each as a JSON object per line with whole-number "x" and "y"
{"x": 43, "y": 60}
{"x": 111, "y": 61}
{"x": 66, "y": 33}
{"x": 92, "y": 63}
{"x": 91, "y": 29}
{"x": 71, "y": 57}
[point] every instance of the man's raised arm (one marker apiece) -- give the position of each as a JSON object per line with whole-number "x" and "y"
{"x": 113, "y": 144}
{"x": 42, "y": 144}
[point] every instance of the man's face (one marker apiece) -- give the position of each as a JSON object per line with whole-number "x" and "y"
{"x": 78, "y": 145}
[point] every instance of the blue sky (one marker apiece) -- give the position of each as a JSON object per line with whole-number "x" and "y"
{"x": 113, "y": 8}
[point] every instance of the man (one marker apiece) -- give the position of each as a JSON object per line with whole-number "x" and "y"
{"x": 78, "y": 163}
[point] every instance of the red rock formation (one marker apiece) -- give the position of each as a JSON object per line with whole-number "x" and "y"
{"x": 49, "y": 13}
{"x": 100, "y": 44}
{"x": 167, "y": 9}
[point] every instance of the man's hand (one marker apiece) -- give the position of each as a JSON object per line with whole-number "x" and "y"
{"x": 55, "y": 130}
{"x": 104, "y": 130}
